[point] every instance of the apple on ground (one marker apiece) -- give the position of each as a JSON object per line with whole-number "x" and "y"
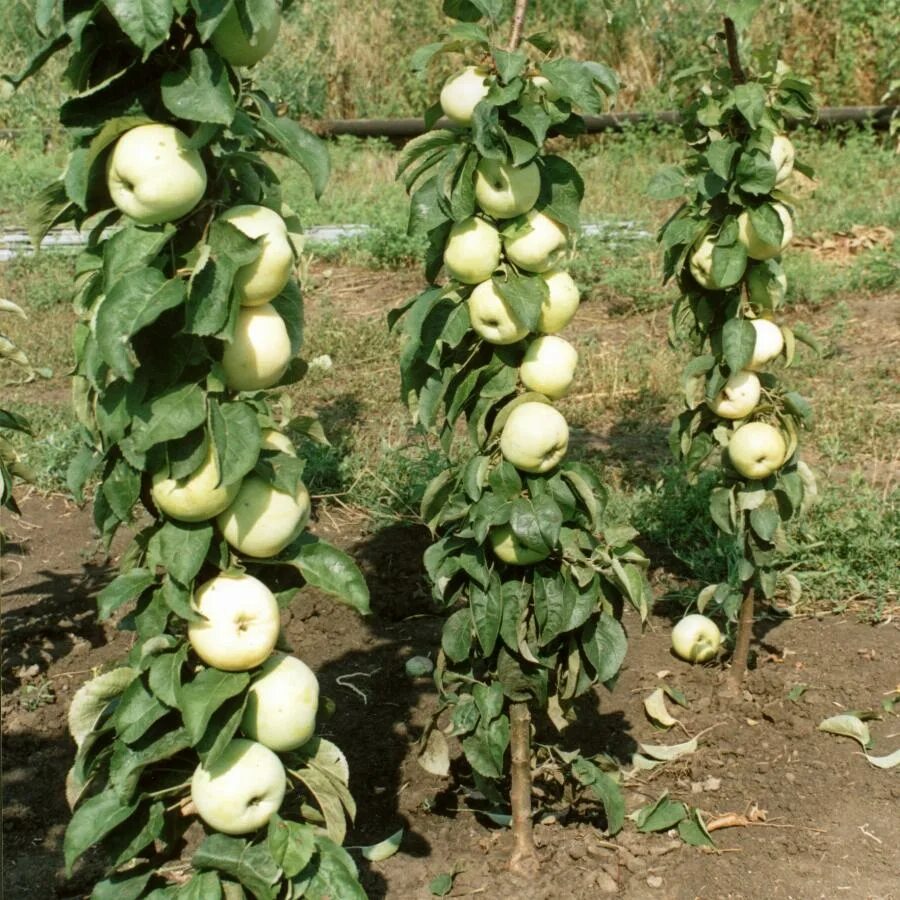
{"x": 561, "y": 303}
{"x": 462, "y": 92}
{"x": 503, "y": 190}
{"x": 696, "y": 638}
{"x": 757, "y": 450}
{"x": 233, "y": 44}
{"x": 240, "y": 622}
{"x": 766, "y": 285}
{"x": 769, "y": 343}
{"x": 509, "y": 549}
{"x": 242, "y": 790}
{"x": 739, "y": 396}
{"x": 782, "y": 156}
{"x": 757, "y": 248}
{"x": 153, "y": 175}
{"x": 282, "y": 703}
{"x": 197, "y": 497}
{"x": 548, "y": 366}
{"x": 535, "y": 437}
{"x": 261, "y": 521}
{"x": 260, "y": 351}
{"x": 472, "y": 252}
{"x": 263, "y": 279}
{"x": 491, "y": 316}
{"x": 538, "y": 245}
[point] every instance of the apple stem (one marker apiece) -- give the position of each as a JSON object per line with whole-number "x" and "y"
{"x": 742, "y": 641}
{"x": 524, "y": 858}
{"x": 518, "y": 24}
{"x": 734, "y": 59}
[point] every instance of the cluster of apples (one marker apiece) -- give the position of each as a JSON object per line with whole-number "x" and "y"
{"x": 756, "y": 449}
{"x": 154, "y": 176}
{"x": 510, "y": 231}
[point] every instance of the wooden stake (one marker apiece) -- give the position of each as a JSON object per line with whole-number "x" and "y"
{"x": 524, "y": 859}
{"x": 742, "y": 642}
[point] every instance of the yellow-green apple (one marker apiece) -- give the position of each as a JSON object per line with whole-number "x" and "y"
{"x": 757, "y": 449}
{"x": 537, "y": 246}
{"x": 242, "y": 790}
{"x": 281, "y": 703}
{"x": 260, "y": 351}
{"x": 509, "y": 549}
{"x": 766, "y": 285}
{"x": 472, "y": 251}
{"x": 561, "y": 303}
{"x": 261, "y": 521}
{"x": 262, "y": 280}
{"x": 491, "y": 316}
{"x": 696, "y": 638}
{"x": 240, "y": 622}
{"x": 739, "y": 396}
{"x": 197, "y": 497}
{"x": 769, "y": 343}
{"x": 782, "y": 156}
{"x": 504, "y": 190}
{"x": 462, "y": 92}
{"x": 272, "y": 439}
{"x": 234, "y": 45}
{"x": 535, "y": 437}
{"x": 756, "y": 247}
{"x": 154, "y": 175}
{"x": 548, "y": 366}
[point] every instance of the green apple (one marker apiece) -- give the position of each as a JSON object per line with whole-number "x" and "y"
{"x": 548, "y": 366}
{"x": 757, "y": 450}
{"x": 197, "y": 497}
{"x": 491, "y": 316}
{"x": 272, "y": 439}
{"x": 539, "y": 245}
{"x": 153, "y": 175}
{"x": 696, "y": 638}
{"x": 260, "y": 351}
{"x": 561, "y": 303}
{"x": 509, "y": 549}
{"x": 462, "y": 92}
{"x": 701, "y": 262}
{"x": 281, "y": 704}
{"x": 233, "y": 44}
{"x": 503, "y": 190}
{"x": 769, "y": 343}
{"x": 242, "y": 790}
{"x": 472, "y": 252}
{"x": 739, "y": 397}
{"x": 757, "y": 248}
{"x": 766, "y": 285}
{"x": 542, "y": 87}
{"x": 261, "y": 521}
{"x": 782, "y": 156}
{"x": 535, "y": 437}
{"x": 240, "y": 622}
{"x": 263, "y": 279}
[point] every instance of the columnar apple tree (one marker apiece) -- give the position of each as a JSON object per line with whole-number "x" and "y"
{"x": 189, "y": 314}
{"x": 724, "y": 247}
{"x": 524, "y": 562}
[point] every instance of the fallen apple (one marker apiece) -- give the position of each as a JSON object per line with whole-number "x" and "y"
{"x": 462, "y": 92}
{"x": 282, "y": 703}
{"x": 757, "y": 450}
{"x": 242, "y": 790}
{"x": 535, "y": 437}
{"x": 260, "y": 351}
{"x": 538, "y": 245}
{"x": 758, "y": 248}
{"x": 738, "y": 398}
{"x": 235, "y": 46}
{"x": 769, "y": 343}
{"x": 696, "y": 638}
{"x": 261, "y": 521}
{"x": 561, "y": 303}
{"x": 509, "y": 549}
{"x": 154, "y": 175}
{"x": 240, "y": 622}
{"x": 503, "y": 190}
{"x": 548, "y": 366}
{"x": 197, "y": 497}
{"x": 491, "y": 316}
{"x": 263, "y": 279}
{"x": 472, "y": 252}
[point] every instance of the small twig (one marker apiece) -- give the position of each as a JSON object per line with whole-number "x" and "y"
{"x": 343, "y": 682}
{"x": 518, "y": 24}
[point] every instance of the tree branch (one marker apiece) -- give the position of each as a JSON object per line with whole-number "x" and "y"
{"x": 734, "y": 59}
{"x": 742, "y": 642}
{"x": 518, "y": 24}
{"x": 524, "y": 858}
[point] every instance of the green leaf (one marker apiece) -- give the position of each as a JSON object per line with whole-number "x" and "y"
{"x": 132, "y": 248}
{"x": 136, "y": 711}
{"x": 298, "y": 144}
{"x": 201, "y": 697}
{"x": 487, "y": 611}
{"x": 575, "y": 82}
{"x": 289, "y": 305}
{"x": 236, "y": 435}
{"x": 180, "y": 548}
{"x": 604, "y": 644}
{"x": 146, "y": 22}
{"x": 128, "y": 885}
{"x": 141, "y": 829}
{"x": 93, "y": 698}
{"x": 198, "y": 89}
{"x": 738, "y": 342}
{"x": 442, "y": 884}
{"x": 486, "y": 749}
{"x": 291, "y": 844}
{"x": 165, "y": 675}
{"x": 765, "y": 521}
{"x": 510, "y": 64}
{"x": 92, "y": 821}
{"x": 329, "y": 569}
{"x": 129, "y": 760}
{"x": 456, "y": 637}
{"x": 605, "y": 789}
{"x": 168, "y": 416}
{"x": 660, "y": 816}
{"x": 208, "y": 15}
{"x": 524, "y": 294}
{"x": 251, "y": 864}
{"x": 667, "y": 184}
{"x": 122, "y": 489}
{"x": 756, "y": 173}
{"x": 767, "y": 224}
{"x": 692, "y": 830}
{"x": 122, "y": 589}
{"x": 750, "y": 99}
{"x": 562, "y": 190}
{"x": 729, "y": 261}
{"x": 335, "y": 875}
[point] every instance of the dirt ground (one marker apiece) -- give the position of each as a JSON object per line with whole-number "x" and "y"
{"x": 818, "y": 821}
